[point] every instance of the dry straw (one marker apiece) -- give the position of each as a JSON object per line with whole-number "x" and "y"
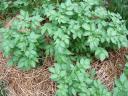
{"x": 33, "y": 83}
{"x": 37, "y": 81}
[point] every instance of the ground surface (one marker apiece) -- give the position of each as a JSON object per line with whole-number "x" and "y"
{"x": 37, "y": 81}
{"x": 33, "y": 83}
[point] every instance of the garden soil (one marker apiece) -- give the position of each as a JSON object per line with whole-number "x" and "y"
{"x": 37, "y": 82}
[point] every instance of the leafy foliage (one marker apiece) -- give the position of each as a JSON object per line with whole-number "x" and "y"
{"x": 121, "y": 88}
{"x": 121, "y": 84}
{"x": 13, "y": 6}
{"x": 22, "y": 40}
{"x": 75, "y": 81}
{"x": 120, "y": 6}
{"x": 3, "y": 91}
{"x": 85, "y": 28}
{"x": 79, "y": 29}
{"x": 74, "y": 32}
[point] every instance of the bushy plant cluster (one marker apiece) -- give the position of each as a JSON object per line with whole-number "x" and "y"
{"x": 120, "y": 6}
{"x": 22, "y": 40}
{"x": 3, "y": 90}
{"x": 73, "y": 33}
{"x": 120, "y": 88}
{"x": 13, "y": 6}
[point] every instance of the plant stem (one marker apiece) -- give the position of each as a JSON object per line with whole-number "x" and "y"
{"x": 57, "y": 2}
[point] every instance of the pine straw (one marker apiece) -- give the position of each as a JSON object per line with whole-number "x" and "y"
{"x": 33, "y": 83}
{"x": 37, "y": 81}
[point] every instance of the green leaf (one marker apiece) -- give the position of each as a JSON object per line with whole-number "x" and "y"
{"x": 52, "y": 70}
{"x": 101, "y": 54}
{"x": 54, "y": 77}
{"x": 73, "y": 91}
{"x": 85, "y": 63}
{"x": 69, "y": 13}
{"x": 63, "y": 73}
{"x": 123, "y": 78}
{"x": 32, "y": 63}
{"x": 93, "y": 42}
{"x": 86, "y": 26}
{"x": 10, "y": 63}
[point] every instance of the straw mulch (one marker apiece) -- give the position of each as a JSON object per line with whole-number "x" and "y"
{"x": 110, "y": 69}
{"x": 33, "y": 83}
{"x": 37, "y": 81}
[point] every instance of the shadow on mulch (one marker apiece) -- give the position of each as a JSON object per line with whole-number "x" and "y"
{"x": 37, "y": 81}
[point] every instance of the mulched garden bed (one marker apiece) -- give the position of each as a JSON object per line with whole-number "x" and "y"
{"x": 110, "y": 69}
{"x": 37, "y": 81}
{"x": 32, "y": 83}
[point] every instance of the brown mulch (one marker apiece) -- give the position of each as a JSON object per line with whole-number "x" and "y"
{"x": 110, "y": 69}
{"x": 37, "y": 81}
{"x": 33, "y": 83}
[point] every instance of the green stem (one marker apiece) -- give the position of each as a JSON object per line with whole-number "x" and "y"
{"x": 57, "y": 2}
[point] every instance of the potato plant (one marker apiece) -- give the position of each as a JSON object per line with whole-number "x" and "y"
{"x": 74, "y": 33}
